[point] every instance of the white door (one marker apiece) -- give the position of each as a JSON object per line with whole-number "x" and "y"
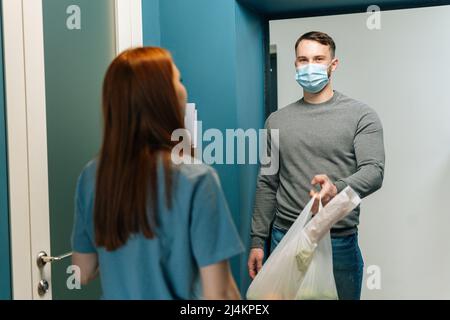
{"x": 56, "y": 53}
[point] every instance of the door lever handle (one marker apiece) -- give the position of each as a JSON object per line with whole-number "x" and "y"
{"x": 43, "y": 258}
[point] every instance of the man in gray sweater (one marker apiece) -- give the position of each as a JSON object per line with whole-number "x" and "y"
{"x": 325, "y": 138}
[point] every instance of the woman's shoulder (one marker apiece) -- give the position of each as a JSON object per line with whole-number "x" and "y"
{"x": 89, "y": 169}
{"x": 86, "y": 179}
{"x": 194, "y": 170}
{"x": 189, "y": 169}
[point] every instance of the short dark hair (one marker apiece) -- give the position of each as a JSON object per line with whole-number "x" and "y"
{"x": 320, "y": 37}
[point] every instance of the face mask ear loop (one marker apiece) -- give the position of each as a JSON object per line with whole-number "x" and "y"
{"x": 328, "y": 68}
{"x": 332, "y": 60}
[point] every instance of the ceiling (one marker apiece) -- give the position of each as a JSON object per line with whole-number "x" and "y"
{"x": 277, "y": 9}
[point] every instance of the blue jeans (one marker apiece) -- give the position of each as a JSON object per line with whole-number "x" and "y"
{"x": 348, "y": 263}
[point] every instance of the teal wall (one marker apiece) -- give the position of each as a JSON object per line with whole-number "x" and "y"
{"x": 151, "y": 22}
{"x": 219, "y": 48}
{"x": 5, "y": 265}
{"x": 250, "y": 63}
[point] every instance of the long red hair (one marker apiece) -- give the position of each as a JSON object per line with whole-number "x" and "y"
{"x": 140, "y": 112}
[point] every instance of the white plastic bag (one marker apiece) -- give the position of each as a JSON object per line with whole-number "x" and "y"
{"x": 318, "y": 282}
{"x": 301, "y": 266}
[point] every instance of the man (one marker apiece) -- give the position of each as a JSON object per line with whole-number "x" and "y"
{"x": 325, "y": 138}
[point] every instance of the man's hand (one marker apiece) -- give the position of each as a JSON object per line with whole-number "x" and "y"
{"x": 255, "y": 260}
{"x": 328, "y": 191}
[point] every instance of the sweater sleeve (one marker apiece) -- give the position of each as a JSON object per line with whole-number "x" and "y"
{"x": 265, "y": 199}
{"x": 369, "y": 151}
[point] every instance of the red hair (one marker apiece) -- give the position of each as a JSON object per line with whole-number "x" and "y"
{"x": 140, "y": 112}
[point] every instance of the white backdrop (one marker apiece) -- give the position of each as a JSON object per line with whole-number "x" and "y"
{"x": 402, "y": 71}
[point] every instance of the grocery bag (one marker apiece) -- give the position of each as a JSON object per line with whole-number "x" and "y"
{"x": 301, "y": 266}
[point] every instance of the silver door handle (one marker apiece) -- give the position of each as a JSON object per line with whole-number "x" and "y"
{"x": 43, "y": 258}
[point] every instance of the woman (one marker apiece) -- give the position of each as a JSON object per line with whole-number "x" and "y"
{"x": 152, "y": 229}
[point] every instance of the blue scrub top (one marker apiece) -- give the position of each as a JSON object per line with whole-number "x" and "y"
{"x": 198, "y": 231}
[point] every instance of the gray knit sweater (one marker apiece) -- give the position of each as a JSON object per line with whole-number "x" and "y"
{"x": 342, "y": 138}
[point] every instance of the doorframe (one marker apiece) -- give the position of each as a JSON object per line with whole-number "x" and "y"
{"x": 27, "y": 131}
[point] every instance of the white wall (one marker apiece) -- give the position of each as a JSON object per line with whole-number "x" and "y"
{"x": 402, "y": 72}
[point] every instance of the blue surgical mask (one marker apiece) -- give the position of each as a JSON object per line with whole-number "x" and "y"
{"x": 313, "y": 77}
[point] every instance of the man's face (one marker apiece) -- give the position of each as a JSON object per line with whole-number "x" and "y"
{"x": 309, "y": 51}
